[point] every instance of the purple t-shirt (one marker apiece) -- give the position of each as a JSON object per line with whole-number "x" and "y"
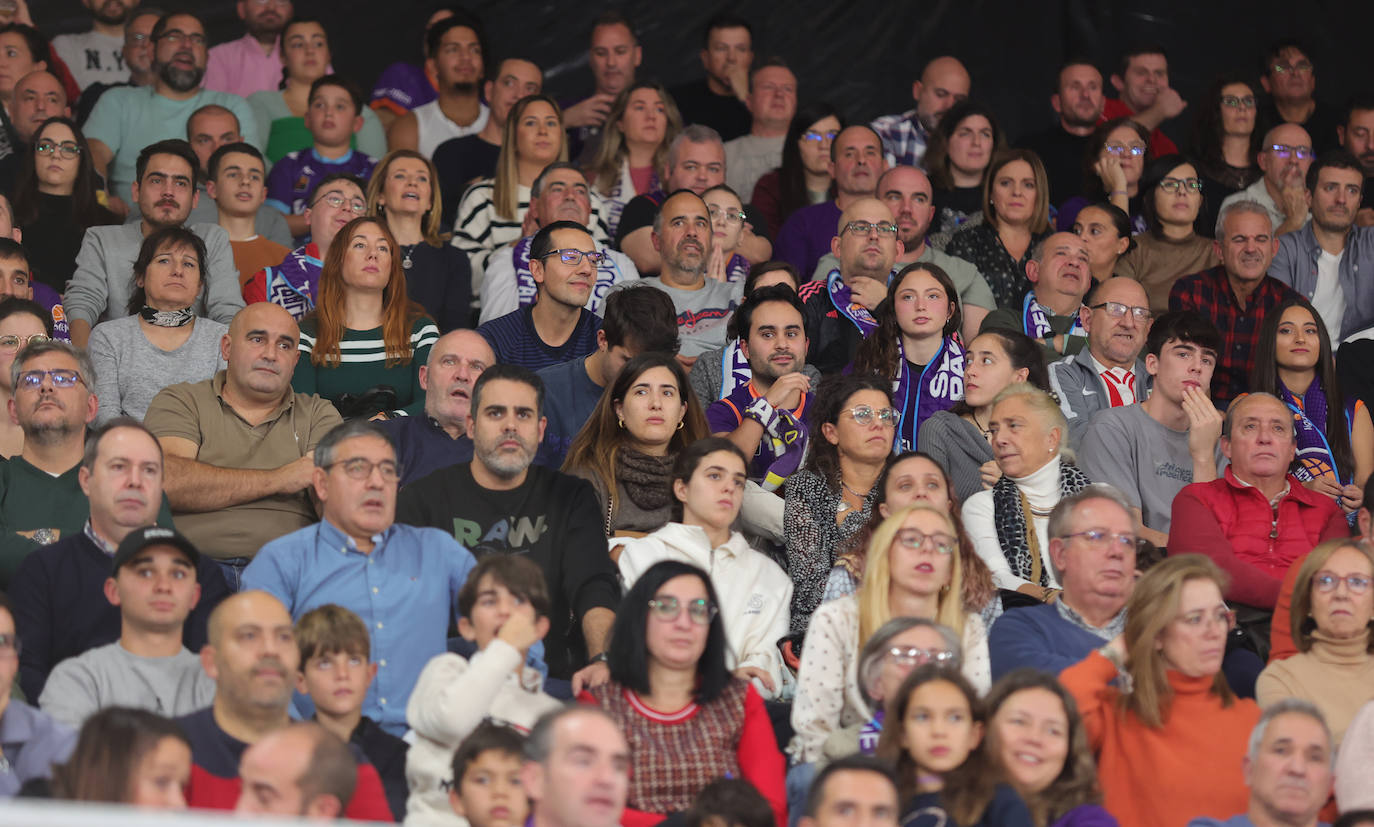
{"x": 293, "y": 178}
{"x": 402, "y": 87}
{"x": 805, "y": 237}
{"x": 51, "y": 302}
{"x": 725, "y": 415}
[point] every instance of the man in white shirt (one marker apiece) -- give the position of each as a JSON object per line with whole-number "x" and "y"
{"x": 455, "y": 49}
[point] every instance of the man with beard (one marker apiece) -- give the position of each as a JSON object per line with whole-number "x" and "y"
{"x": 1078, "y": 102}
{"x": 165, "y": 192}
{"x": 1329, "y": 259}
{"x": 455, "y": 50}
{"x": 401, "y": 580}
{"x": 1356, "y": 134}
{"x": 127, "y": 119}
{"x": 856, "y": 162}
{"x": 240, "y": 445}
{"x": 424, "y": 444}
{"x": 137, "y": 57}
{"x": 500, "y": 504}
{"x": 252, "y": 658}
{"x": 97, "y": 56}
{"x": 944, "y": 82}
{"x": 253, "y": 62}
{"x": 1060, "y": 275}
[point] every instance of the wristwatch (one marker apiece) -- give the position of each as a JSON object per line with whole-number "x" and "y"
{"x": 597, "y": 658}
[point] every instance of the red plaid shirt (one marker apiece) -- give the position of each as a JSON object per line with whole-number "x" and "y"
{"x": 1210, "y": 294}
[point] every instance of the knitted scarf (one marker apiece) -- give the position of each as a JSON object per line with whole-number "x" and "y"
{"x": 646, "y": 479}
{"x": 842, "y": 299}
{"x": 1013, "y": 526}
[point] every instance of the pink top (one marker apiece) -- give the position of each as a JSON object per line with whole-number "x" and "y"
{"x": 240, "y": 68}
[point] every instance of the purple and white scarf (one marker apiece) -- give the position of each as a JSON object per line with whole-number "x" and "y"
{"x": 1314, "y": 456}
{"x": 736, "y": 268}
{"x": 842, "y": 299}
{"x": 938, "y": 387}
{"x": 1035, "y": 320}
{"x": 526, "y": 290}
{"x": 734, "y": 369}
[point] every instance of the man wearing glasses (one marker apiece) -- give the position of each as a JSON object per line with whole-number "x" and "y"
{"x": 1287, "y": 75}
{"x": 1284, "y": 157}
{"x": 1109, "y": 372}
{"x": 44, "y": 742}
{"x": 1051, "y": 313}
{"x": 856, "y": 163}
{"x": 253, "y": 62}
{"x": 401, "y": 580}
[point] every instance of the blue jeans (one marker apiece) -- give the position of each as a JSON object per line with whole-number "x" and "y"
{"x": 799, "y": 778}
{"x": 233, "y": 571}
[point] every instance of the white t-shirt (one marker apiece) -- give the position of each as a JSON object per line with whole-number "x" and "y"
{"x": 92, "y": 57}
{"x": 1328, "y": 297}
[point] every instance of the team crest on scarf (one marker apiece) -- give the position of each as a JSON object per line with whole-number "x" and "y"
{"x": 938, "y": 387}
{"x": 843, "y": 300}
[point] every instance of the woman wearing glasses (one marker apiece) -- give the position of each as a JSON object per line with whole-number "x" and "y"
{"x": 1225, "y": 144}
{"x": 438, "y": 277}
{"x": 688, "y": 721}
{"x": 1333, "y": 606}
{"x": 1117, "y": 152}
{"x": 1009, "y": 524}
{"x": 1169, "y": 734}
{"x": 21, "y": 321}
{"x": 708, "y": 490}
{"x": 161, "y": 342}
{"x": 832, "y": 496}
{"x": 1171, "y": 192}
{"x": 55, "y": 201}
{"x": 727, "y": 227}
{"x": 363, "y": 306}
{"x": 804, "y": 177}
{"x": 1016, "y": 217}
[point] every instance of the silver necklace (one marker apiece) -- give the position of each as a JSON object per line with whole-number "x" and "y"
{"x": 844, "y": 505}
{"x": 405, "y": 262}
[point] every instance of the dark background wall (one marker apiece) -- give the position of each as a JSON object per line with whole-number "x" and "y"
{"x": 863, "y": 55}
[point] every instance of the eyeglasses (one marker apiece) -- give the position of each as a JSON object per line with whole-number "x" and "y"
{"x": 178, "y": 36}
{"x": 866, "y": 227}
{"x": 1116, "y": 310}
{"x": 61, "y": 378}
{"x": 1325, "y": 581}
{"x": 728, "y": 216}
{"x": 1119, "y": 149}
{"x": 10, "y": 344}
{"x": 9, "y": 645}
{"x": 1238, "y": 101}
{"x": 262, "y": 4}
{"x": 67, "y": 149}
{"x": 357, "y": 206}
{"x": 360, "y": 468}
{"x": 863, "y": 414}
{"x": 1176, "y": 184}
{"x": 135, "y": 38}
{"x": 1302, "y": 153}
{"x": 817, "y": 137}
{"x": 908, "y": 657}
{"x": 1099, "y": 539}
{"x": 915, "y": 538}
{"x": 701, "y": 611}
{"x": 572, "y": 257}
{"x": 1203, "y": 617}
{"x": 1302, "y": 67}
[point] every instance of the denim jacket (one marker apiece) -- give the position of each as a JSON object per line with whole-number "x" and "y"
{"x": 1296, "y": 266}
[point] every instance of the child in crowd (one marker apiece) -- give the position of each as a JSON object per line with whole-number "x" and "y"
{"x": 730, "y": 802}
{"x": 934, "y": 739}
{"x": 335, "y": 673}
{"x": 504, "y": 609}
{"x": 17, "y": 277}
{"x": 236, "y": 183}
{"x": 486, "y": 778}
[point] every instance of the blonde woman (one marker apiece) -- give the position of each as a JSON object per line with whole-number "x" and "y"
{"x": 633, "y": 155}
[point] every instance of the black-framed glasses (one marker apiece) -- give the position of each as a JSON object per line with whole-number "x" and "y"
{"x": 1326, "y": 581}
{"x": 10, "y": 343}
{"x": 360, "y": 468}
{"x": 816, "y": 137}
{"x": 573, "y": 257}
{"x": 910, "y": 656}
{"x": 66, "y": 150}
{"x": 1176, "y": 184}
{"x": 61, "y": 378}
{"x": 1099, "y": 539}
{"x": 1135, "y": 150}
{"x": 669, "y": 608}
{"x": 735, "y": 217}
{"x": 864, "y": 414}
{"x": 886, "y": 228}
{"x": 916, "y": 538}
{"x": 357, "y": 206}
{"x": 178, "y": 36}
{"x": 1116, "y": 310}
{"x": 1302, "y": 67}
{"x": 1238, "y": 101}
{"x": 1302, "y": 153}
{"x": 9, "y": 645}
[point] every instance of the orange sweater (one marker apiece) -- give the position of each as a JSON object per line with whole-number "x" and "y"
{"x": 1164, "y": 777}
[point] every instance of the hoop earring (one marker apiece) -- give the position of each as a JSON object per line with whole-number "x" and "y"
{"x": 622, "y": 423}
{"x": 679, "y": 424}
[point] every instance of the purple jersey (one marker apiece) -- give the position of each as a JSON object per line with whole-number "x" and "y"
{"x": 293, "y": 284}
{"x": 292, "y": 179}
{"x": 402, "y": 87}
{"x": 50, "y": 301}
{"x": 725, "y": 415}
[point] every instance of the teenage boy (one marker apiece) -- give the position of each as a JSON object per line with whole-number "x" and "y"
{"x": 335, "y": 671}
{"x": 504, "y": 608}
{"x": 486, "y": 778}
{"x": 333, "y": 115}
{"x": 16, "y": 279}
{"x": 236, "y": 173}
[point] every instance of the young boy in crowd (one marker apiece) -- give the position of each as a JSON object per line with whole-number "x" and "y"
{"x": 504, "y": 608}
{"x": 333, "y": 115}
{"x": 16, "y": 279}
{"x": 236, "y": 172}
{"x": 335, "y": 673}
{"x": 486, "y": 778}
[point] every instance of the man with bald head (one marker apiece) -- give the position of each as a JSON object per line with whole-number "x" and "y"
{"x": 1284, "y": 156}
{"x": 302, "y": 770}
{"x": 1109, "y": 372}
{"x": 37, "y": 96}
{"x": 944, "y": 82}
{"x": 240, "y": 445}
{"x": 839, "y": 308}
{"x": 1051, "y": 312}
{"x": 252, "y": 658}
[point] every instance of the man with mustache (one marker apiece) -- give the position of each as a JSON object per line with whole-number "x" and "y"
{"x": 239, "y": 444}
{"x": 60, "y": 590}
{"x": 1324, "y": 260}
{"x": 401, "y": 580}
{"x": 1077, "y": 102}
{"x": 253, "y": 62}
{"x": 1235, "y": 294}
{"x": 502, "y": 504}
{"x": 97, "y": 56}
{"x": 1356, "y": 134}
{"x": 127, "y": 119}
{"x": 252, "y": 658}
{"x": 1285, "y": 155}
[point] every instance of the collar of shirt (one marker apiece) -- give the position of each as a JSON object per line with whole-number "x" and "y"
{"x": 342, "y": 159}
{"x": 334, "y": 537}
{"x": 100, "y": 542}
{"x": 218, "y": 381}
{"x": 1114, "y": 627}
{"x": 1274, "y": 500}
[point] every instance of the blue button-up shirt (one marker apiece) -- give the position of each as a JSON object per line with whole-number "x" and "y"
{"x": 403, "y": 590}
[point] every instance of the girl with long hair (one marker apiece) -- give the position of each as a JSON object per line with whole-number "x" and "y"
{"x": 804, "y": 177}
{"x": 632, "y": 157}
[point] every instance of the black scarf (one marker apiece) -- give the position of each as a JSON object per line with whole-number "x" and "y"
{"x": 1013, "y": 532}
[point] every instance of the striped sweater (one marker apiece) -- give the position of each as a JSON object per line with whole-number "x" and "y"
{"x": 363, "y": 365}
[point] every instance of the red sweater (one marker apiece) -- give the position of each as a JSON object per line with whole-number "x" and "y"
{"x": 1230, "y": 522}
{"x": 1164, "y": 777}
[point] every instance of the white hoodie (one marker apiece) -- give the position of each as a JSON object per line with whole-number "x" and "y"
{"x": 755, "y": 593}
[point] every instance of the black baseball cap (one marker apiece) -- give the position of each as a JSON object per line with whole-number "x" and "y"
{"x": 153, "y": 535}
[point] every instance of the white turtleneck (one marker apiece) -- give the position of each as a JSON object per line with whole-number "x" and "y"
{"x": 1041, "y": 488}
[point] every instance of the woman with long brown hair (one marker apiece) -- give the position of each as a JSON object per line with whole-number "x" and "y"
{"x": 1016, "y": 216}
{"x": 633, "y": 155}
{"x": 363, "y": 304}
{"x": 127, "y": 756}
